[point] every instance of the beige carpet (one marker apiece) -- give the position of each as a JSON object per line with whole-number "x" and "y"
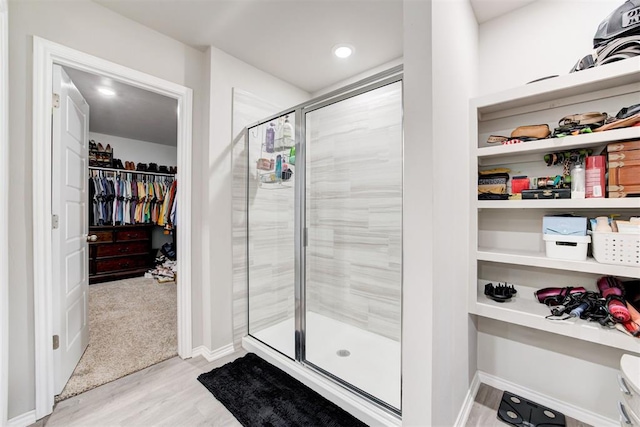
{"x": 132, "y": 325}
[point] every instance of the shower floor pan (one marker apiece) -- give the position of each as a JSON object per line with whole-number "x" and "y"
{"x": 366, "y": 360}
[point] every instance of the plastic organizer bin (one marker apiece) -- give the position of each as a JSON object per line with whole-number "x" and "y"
{"x": 566, "y": 247}
{"x": 616, "y": 248}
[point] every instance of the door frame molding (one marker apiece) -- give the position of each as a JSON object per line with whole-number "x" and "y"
{"x": 4, "y": 211}
{"x": 45, "y": 54}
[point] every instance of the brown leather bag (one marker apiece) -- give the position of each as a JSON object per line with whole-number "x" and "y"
{"x": 532, "y": 131}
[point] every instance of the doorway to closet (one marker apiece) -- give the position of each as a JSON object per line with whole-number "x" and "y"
{"x": 45, "y": 288}
{"x": 114, "y": 171}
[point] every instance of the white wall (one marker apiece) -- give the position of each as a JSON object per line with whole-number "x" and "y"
{"x": 228, "y": 72}
{"x": 543, "y": 38}
{"x": 4, "y": 206}
{"x": 137, "y": 151}
{"x": 455, "y": 62}
{"x": 418, "y": 216}
{"x": 558, "y": 33}
{"x": 88, "y": 27}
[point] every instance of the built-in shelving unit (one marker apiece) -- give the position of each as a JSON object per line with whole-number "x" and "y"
{"x": 506, "y": 235}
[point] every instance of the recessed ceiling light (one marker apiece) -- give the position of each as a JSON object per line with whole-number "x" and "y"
{"x": 343, "y": 50}
{"x": 106, "y": 91}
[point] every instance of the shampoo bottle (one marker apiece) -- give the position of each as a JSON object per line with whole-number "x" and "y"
{"x": 287, "y": 133}
{"x": 270, "y": 138}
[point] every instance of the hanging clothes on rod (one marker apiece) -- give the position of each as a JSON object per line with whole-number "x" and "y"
{"x": 123, "y": 198}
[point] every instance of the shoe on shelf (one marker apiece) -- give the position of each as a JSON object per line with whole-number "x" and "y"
{"x": 92, "y": 145}
{"x": 109, "y": 149}
{"x": 153, "y": 167}
{"x": 142, "y": 167}
{"x": 100, "y": 147}
{"x": 163, "y": 169}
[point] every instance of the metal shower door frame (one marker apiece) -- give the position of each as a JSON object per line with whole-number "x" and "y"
{"x": 377, "y": 81}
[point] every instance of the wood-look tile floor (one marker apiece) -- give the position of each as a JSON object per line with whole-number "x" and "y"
{"x": 166, "y": 394}
{"x": 485, "y": 409}
{"x": 169, "y": 394}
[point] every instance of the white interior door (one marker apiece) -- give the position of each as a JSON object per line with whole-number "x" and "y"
{"x": 69, "y": 202}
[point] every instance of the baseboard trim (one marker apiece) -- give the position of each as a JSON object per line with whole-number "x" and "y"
{"x": 467, "y": 405}
{"x": 212, "y": 355}
{"x": 580, "y": 414}
{"x": 23, "y": 420}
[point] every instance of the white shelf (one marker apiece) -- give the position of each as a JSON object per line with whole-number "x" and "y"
{"x": 550, "y": 145}
{"x": 537, "y": 259}
{"x": 539, "y": 103}
{"x": 614, "y": 75}
{"x": 591, "y": 204}
{"x": 523, "y": 310}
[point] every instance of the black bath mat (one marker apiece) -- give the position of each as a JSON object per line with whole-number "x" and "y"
{"x": 259, "y": 394}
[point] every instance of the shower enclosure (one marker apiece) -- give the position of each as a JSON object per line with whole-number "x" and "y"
{"x": 324, "y": 236}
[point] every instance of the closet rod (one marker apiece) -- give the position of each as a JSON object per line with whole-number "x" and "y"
{"x": 98, "y": 168}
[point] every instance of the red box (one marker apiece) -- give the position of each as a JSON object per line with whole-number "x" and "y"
{"x": 519, "y": 183}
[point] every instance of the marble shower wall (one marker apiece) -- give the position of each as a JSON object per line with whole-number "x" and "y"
{"x": 247, "y": 110}
{"x": 354, "y": 211}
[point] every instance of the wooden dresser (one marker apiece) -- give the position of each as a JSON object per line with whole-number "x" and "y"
{"x": 119, "y": 252}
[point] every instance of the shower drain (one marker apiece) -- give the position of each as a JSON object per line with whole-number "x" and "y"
{"x": 343, "y": 353}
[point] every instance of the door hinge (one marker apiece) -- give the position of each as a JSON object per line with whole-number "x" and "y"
{"x": 55, "y": 221}
{"x": 56, "y": 342}
{"x": 56, "y": 100}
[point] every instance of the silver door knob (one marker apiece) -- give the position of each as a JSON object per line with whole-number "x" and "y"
{"x": 92, "y": 238}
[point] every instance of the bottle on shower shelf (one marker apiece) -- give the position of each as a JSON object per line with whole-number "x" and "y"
{"x": 270, "y": 138}
{"x": 292, "y": 155}
{"x": 287, "y": 133}
{"x": 279, "y": 168}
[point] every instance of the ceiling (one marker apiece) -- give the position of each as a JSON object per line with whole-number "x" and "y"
{"x": 486, "y": 10}
{"x": 132, "y": 113}
{"x": 290, "y": 39}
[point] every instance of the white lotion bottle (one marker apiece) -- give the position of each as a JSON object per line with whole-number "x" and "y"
{"x": 578, "y": 182}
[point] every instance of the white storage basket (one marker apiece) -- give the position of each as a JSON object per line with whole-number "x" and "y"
{"x": 616, "y": 248}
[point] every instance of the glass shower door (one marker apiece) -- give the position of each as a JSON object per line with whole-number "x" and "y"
{"x": 270, "y": 233}
{"x": 353, "y": 257}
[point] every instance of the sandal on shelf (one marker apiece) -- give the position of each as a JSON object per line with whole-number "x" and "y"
{"x": 621, "y": 123}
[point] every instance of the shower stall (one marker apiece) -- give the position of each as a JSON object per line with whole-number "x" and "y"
{"x": 324, "y": 237}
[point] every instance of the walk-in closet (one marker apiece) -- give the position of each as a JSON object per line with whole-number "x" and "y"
{"x": 122, "y": 141}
